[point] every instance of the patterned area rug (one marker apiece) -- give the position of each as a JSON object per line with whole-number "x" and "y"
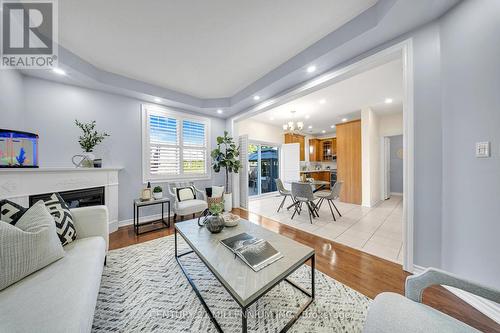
{"x": 144, "y": 290}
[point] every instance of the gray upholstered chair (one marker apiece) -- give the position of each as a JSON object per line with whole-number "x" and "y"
{"x": 303, "y": 193}
{"x": 330, "y": 196}
{"x": 186, "y": 207}
{"x": 392, "y": 312}
{"x": 283, "y": 192}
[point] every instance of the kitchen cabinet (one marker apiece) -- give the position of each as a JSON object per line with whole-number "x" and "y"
{"x": 348, "y": 148}
{"x": 318, "y": 175}
{"x": 314, "y": 150}
{"x": 327, "y": 149}
{"x": 297, "y": 138}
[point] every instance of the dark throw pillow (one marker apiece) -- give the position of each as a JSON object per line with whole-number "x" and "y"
{"x": 62, "y": 216}
{"x": 11, "y": 212}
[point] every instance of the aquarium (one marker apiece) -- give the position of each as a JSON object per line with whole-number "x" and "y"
{"x": 18, "y": 149}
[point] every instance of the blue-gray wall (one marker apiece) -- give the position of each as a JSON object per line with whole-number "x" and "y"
{"x": 470, "y": 48}
{"x": 396, "y": 164}
{"x": 11, "y": 99}
{"x": 50, "y": 110}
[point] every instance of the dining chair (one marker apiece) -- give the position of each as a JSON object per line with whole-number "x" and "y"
{"x": 283, "y": 192}
{"x": 330, "y": 196}
{"x": 303, "y": 193}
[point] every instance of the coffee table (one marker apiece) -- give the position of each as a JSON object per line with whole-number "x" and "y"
{"x": 243, "y": 284}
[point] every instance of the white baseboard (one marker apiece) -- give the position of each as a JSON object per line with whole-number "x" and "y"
{"x": 113, "y": 226}
{"x": 486, "y": 307}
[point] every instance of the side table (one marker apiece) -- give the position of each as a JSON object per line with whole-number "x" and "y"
{"x": 138, "y": 204}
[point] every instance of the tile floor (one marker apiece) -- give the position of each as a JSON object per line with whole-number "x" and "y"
{"x": 377, "y": 230}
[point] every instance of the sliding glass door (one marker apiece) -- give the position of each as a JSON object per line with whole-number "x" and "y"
{"x": 263, "y": 168}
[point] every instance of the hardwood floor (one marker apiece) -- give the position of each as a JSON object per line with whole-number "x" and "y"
{"x": 363, "y": 272}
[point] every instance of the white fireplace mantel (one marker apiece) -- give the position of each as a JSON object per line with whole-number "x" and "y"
{"x": 18, "y": 184}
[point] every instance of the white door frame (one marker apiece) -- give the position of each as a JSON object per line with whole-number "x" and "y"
{"x": 403, "y": 49}
{"x": 386, "y": 166}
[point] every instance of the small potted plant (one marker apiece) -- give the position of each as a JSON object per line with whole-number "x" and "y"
{"x": 88, "y": 141}
{"x": 157, "y": 192}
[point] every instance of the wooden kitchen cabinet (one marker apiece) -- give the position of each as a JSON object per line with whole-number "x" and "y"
{"x": 314, "y": 150}
{"x": 300, "y": 139}
{"x": 348, "y": 147}
{"x": 328, "y": 149}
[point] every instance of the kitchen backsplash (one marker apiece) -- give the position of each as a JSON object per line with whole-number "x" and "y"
{"x": 318, "y": 165}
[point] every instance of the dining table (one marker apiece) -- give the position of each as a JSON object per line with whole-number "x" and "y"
{"x": 317, "y": 184}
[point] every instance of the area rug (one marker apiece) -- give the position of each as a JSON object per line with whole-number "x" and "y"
{"x": 144, "y": 290}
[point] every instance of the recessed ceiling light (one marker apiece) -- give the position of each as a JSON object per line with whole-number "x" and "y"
{"x": 219, "y": 111}
{"x": 333, "y": 126}
{"x": 256, "y": 97}
{"x": 157, "y": 99}
{"x": 322, "y": 101}
{"x": 310, "y": 126}
{"x": 344, "y": 120}
{"x": 388, "y": 100}
{"x": 272, "y": 118}
{"x": 323, "y": 131}
{"x": 311, "y": 69}
{"x": 307, "y": 116}
{"x": 59, "y": 71}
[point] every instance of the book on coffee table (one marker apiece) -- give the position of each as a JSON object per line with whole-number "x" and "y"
{"x": 255, "y": 252}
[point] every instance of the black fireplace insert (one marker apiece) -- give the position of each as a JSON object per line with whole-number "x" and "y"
{"x": 76, "y": 198}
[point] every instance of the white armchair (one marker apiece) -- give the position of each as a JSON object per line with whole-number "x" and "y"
{"x": 186, "y": 207}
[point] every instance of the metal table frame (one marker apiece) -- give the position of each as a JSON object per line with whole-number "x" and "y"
{"x": 137, "y": 225}
{"x": 244, "y": 308}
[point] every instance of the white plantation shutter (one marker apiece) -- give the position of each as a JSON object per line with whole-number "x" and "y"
{"x": 194, "y": 152}
{"x": 174, "y": 146}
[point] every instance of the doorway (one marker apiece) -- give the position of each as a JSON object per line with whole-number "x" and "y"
{"x": 263, "y": 168}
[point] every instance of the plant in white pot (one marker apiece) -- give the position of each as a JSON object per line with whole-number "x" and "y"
{"x": 225, "y": 156}
{"x": 88, "y": 141}
{"x": 158, "y": 193}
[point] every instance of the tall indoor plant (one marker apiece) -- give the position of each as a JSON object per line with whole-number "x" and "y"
{"x": 225, "y": 156}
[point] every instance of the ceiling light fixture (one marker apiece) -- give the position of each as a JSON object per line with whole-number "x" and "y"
{"x": 344, "y": 120}
{"x": 322, "y": 101}
{"x": 311, "y": 69}
{"x": 333, "y": 126}
{"x": 59, "y": 71}
{"x": 293, "y": 127}
{"x": 219, "y": 111}
{"x": 388, "y": 100}
{"x": 157, "y": 99}
{"x": 323, "y": 131}
{"x": 307, "y": 116}
{"x": 256, "y": 97}
{"x": 310, "y": 126}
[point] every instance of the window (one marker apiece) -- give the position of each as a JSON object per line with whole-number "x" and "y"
{"x": 175, "y": 145}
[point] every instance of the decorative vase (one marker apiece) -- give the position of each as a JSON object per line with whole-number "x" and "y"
{"x": 228, "y": 202}
{"x": 214, "y": 223}
{"x": 158, "y": 195}
{"x": 84, "y": 160}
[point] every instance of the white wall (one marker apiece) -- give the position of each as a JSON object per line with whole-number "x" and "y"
{"x": 370, "y": 158}
{"x": 50, "y": 110}
{"x": 260, "y": 131}
{"x": 391, "y": 124}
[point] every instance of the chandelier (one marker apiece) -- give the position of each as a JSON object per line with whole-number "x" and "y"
{"x": 292, "y": 126}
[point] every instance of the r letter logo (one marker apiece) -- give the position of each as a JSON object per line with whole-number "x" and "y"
{"x": 29, "y": 34}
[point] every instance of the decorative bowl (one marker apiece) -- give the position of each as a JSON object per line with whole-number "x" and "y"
{"x": 231, "y": 220}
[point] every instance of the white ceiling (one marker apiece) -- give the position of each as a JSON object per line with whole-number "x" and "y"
{"x": 207, "y": 49}
{"x": 343, "y": 100}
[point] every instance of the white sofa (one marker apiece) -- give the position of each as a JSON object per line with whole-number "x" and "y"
{"x": 62, "y": 296}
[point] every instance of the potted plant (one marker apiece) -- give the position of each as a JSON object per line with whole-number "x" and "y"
{"x": 225, "y": 156}
{"x": 88, "y": 141}
{"x": 157, "y": 192}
